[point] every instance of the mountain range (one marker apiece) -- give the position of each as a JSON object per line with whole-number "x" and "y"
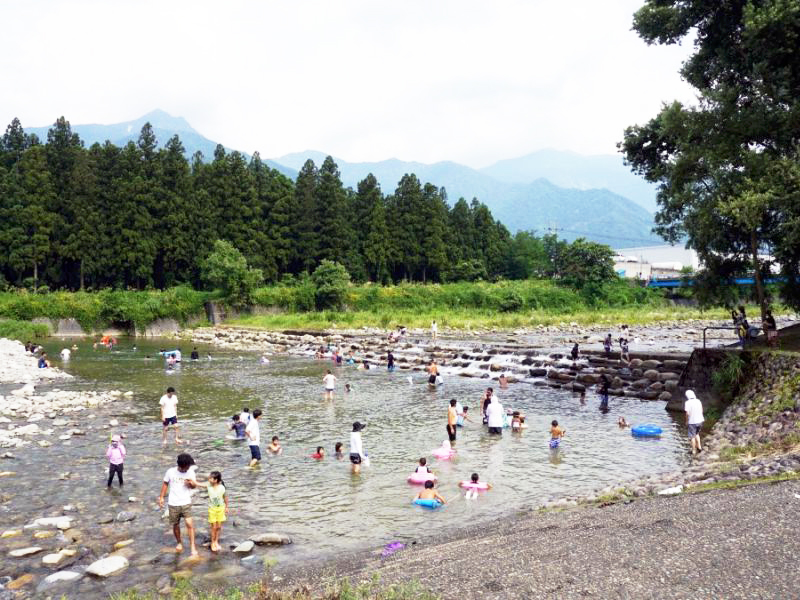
{"x": 595, "y": 197}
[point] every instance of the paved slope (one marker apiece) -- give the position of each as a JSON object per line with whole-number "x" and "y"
{"x": 739, "y": 543}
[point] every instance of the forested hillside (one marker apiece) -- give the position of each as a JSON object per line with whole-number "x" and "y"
{"x": 141, "y": 216}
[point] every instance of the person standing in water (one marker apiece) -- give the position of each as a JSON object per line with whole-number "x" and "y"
{"x": 433, "y": 372}
{"x": 574, "y": 352}
{"x": 495, "y": 416}
{"x": 180, "y": 481}
{"x": 356, "y": 447}
{"x": 169, "y": 415}
{"x": 253, "y": 433}
{"x": 694, "y": 420}
{"x": 604, "y": 385}
{"x": 390, "y": 361}
{"x": 452, "y": 419}
{"x": 434, "y": 331}
{"x": 330, "y": 381}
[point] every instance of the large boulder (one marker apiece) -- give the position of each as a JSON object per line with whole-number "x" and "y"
{"x": 107, "y": 566}
{"x": 669, "y": 375}
{"x": 651, "y": 374}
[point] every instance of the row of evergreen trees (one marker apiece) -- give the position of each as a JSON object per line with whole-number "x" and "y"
{"x": 139, "y": 216}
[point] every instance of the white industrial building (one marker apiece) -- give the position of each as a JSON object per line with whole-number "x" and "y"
{"x": 653, "y": 262}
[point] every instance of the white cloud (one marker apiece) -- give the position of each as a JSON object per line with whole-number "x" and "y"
{"x": 421, "y": 80}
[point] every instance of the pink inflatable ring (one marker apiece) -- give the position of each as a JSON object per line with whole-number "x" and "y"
{"x": 444, "y": 453}
{"x": 470, "y": 485}
{"x": 420, "y": 478}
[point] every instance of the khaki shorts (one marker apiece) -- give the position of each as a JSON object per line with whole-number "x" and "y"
{"x": 178, "y": 512}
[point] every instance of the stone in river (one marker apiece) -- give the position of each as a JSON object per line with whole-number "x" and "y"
{"x": 126, "y": 516}
{"x": 57, "y": 578}
{"x": 122, "y": 544}
{"x": 244, "y": 547}
{"x": 53, "y": 559}
{"x": 270, "y": 538}
{"x": 41, "y": 535}
{"x": 10, "y": 533}
{"x": 107, "y": 566}
{"x": 105, "y": 520}
{"x": 62, "y": 523}
{"x": 20, "y": 552}
{"x": 20, "y": 582}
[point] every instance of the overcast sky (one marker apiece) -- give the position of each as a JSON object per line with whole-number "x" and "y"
{"x": 427, "y": 80}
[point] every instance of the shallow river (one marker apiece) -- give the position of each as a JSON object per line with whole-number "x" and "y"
{"x": 320, "y": 504}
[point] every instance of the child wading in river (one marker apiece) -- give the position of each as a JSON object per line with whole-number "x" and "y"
{"x": 116, "y": 456}
{"x": 556, "y": 433}
{"x": 217, "y": 507}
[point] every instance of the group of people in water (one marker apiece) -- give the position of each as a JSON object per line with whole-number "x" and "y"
{"x": 180, "y": 480}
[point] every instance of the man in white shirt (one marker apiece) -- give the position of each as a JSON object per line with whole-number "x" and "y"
{"x": 330, "y": 381}
{"x": 694, "y": 419}
{"x": 253, "y": 434}
{"x": 495, "y": 416}
{"x": 434, "y": 331}
{"x": 169, "y": 414}
{"x": 180, "y": 481}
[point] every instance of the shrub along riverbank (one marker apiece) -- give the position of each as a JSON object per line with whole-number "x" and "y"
{"x": 505, "y": 305}
{"x": 96, "y": 310}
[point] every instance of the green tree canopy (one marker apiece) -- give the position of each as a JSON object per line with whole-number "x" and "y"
{"x": 726, "y": 168}
{"x": 226, "y": 269}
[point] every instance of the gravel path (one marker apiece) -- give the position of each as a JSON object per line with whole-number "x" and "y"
{"x": 740, "y": 543}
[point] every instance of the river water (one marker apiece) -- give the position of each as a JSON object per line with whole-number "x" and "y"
{"x": 319, "y": 504}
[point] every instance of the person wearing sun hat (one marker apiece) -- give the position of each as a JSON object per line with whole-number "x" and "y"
{"x": 116, "y": 457}
{"x": 356, "y": 447}
{"x": 694, "y": 420}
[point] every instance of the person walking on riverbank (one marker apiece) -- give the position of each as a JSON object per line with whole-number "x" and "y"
{"x": 452, "y": 419}
{"x": 116, "y": 457}
{"x": 253, "y": 433}
{"x": 694, "y": 420}
{"x": 356, "y": 447}
{"x": 169, "y": 415}
{"x": 330, "y": 382}
{"x": 771, "y": 329}
{"x": 180, "y": 481}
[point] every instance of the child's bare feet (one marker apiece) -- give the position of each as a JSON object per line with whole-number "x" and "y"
{"x": 179, "y": 548}
{"x": 194, "y": 553}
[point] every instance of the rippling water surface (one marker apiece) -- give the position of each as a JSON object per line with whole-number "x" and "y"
{"x": 320, "y": 504}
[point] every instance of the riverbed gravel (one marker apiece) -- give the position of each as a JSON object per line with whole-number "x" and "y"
{"x": 739, "y": 543}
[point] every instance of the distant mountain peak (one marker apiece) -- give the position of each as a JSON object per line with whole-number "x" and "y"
{"x": 161, "y": 119}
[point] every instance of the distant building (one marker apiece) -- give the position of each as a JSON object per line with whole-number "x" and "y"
{"x": 654, "y": 262}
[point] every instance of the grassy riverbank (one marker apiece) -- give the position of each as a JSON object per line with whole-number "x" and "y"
{"x": 502, "y": 305}
{"x": 466, "y": 319}
{"x": 341, "y": 590}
